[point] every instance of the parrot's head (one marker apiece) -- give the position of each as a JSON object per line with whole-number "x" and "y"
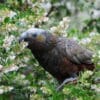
{"x": 38, "y": 39}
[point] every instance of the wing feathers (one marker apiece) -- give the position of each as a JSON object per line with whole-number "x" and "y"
{"x": 76, "y": 53}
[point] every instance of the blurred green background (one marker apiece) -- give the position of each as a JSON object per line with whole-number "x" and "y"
{"x": 21, "y": 77}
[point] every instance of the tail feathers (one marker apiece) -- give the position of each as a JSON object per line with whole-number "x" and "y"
{"x": 90, "y": 67}
{"x": 86, "y": 66}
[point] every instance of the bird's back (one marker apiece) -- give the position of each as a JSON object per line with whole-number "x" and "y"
{"x": 66, "y": 59}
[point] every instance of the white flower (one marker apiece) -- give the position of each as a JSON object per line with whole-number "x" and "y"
{"x": 10, "y": 88}
{"x": 98, "y": 63}
{"x": 71, "y": 7}
{"x": 12, "y": 68}
{"x": 1, "y": 19}
{"x": 53, "y": 29}
{"x": 26, "y": 82}
{"x": 66, "y": 19}
{"x": 12, "y": 14}
{"x": 7, "y": 41}
{"x": 89, "y": 72}
{"x": 92, "y": 34}
{"x": 22, "y": 76}
{"x": 41, "y": 82}
{"x": 96, "y": 14}
{"x": 75, "y": 38}
{"x": 10, "y": 27}
{"x": 1, "y": 67}
{"x": 45, "y": 90}
{"x": 5, "y": 89}
{"x": 23, "y": 22}
{"x": 97, "y": 90}
{"x": 23, "y": 45}
{"x": 85, "y": 40}
{"x": 98, "y": 56}
{"x": 12, "y": 56}
{"x": 99, "y": 52}
{"x": 34, "y": 89}
{"x": 1, "y": 91}
{"x": 64, "y": 24}
{"x": 45, "y": 19}
{"x": 65, "y": 34}
{"x": 61, "y": 23}
{"x": 94, "y": 87}
{"x": 94, "y": 55}
{"x": 46, "y": 5}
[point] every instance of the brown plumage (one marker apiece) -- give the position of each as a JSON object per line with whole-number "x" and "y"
{"x": 63, "y": 58}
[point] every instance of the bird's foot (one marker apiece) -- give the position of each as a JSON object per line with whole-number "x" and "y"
{"x": 68, "y": 80}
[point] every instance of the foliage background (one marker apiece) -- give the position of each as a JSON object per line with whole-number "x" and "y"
{"x": 21, "y": 77}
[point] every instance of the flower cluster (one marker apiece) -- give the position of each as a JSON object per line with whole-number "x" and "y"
{"x": 96, "y": 58}
{"x": 4, "y": 89}
{"x": 6, "y": 13}
{"x": 85, "y": 40}
{"x": 62, "y": 27}
{"x": 45, "y": 90}
{"x": 8, "y": 41}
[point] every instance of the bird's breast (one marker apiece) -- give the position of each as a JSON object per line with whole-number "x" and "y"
{"x": 49, "y": 61}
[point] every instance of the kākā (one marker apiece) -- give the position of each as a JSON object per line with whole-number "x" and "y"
{"x": 63, "y": 58}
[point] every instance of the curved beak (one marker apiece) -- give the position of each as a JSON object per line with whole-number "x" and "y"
{"x": 23, "y": 37}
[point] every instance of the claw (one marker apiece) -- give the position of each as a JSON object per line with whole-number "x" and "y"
{"x": 68, "y": 80}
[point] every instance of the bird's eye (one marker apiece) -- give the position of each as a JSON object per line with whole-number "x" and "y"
{"x": 34, "y": 35}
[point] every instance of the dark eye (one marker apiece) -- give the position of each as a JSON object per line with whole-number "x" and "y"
{"x": 34, "y": 35}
